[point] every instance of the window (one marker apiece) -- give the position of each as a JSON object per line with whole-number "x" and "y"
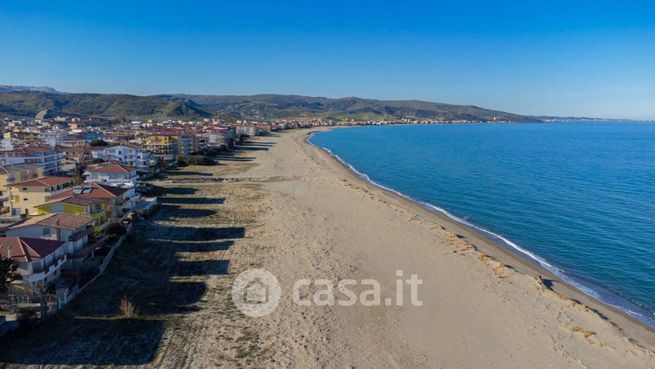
{"x": 46, "y": 232}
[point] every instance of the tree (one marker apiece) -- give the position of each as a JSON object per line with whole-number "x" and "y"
{"x": 8, "y": 273}
{"x": 99, "y": 143}
{"x": 78, "y": 172}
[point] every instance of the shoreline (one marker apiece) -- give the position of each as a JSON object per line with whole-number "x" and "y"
{"x": 505, "y": 251}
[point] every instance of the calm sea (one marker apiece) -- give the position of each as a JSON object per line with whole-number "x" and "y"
{"x": 577, "y": 198}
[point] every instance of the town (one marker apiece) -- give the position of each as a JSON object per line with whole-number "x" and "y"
{"x": 71, "y": 188}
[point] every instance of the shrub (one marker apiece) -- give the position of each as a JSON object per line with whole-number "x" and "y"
{"x": 127, "y": 308}
{"x": 195, "y": 160}
{"x": 25, "y": 316}
{"x": 116, "y": 229}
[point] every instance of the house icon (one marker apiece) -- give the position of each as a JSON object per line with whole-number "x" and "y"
{"x": 256, "y": 292}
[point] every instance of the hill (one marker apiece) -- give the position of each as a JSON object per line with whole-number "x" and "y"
{"x": 29, "y": 104}
{"x": 262, "y": 107}
{"x": 9, "y": 88}
{"x": 294, "y": 106}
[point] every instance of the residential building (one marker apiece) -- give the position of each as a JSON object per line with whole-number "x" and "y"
{"x": 24, "y": 196}
{"x": 76, "y": 153}
{"x": 133, "y": 156}
{"x": 47, "y": 157}
{"x": 165, "y": 147}
{"x": 53, "y": 137}
{"x": 114, "y": 174}
{"x": 74, "y": 230}
{"x": 16, "y": 173}
{"x": 38, "y": 260}
{"x": 116, "y": 200}
{"x": 74, "y": 205}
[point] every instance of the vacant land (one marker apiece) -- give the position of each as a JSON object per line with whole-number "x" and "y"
{"x": 177, "y": 271}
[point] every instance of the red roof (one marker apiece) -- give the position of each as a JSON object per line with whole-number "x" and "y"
{"x": 27, "y": 250}
{"x": 90, "y": 191}
{"x": 42, "y": 182}
{"x": 111, "y": 167}
{"x": 56, "y": 220}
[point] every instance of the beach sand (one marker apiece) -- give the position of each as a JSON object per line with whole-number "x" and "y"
{"x": 483, "y": 307}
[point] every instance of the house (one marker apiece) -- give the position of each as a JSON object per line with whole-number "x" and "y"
{"x": 75, "y": 205}
{"x": 76, "y": 153}
{"x": 117, "y": 175}
{"x": 24, "y": 196}
{"x": 143, "y": 160}
{"x": 116, "y": 200}
{"x": 47, "y": 157}
{"x": 38, "y": 260}
{"x": 16, "y": 173}
{"x": 53, "y": 137}
{"x": 114, "y": 174}
{"x": 220, "y": 137}
{"x": 74, "y": 230}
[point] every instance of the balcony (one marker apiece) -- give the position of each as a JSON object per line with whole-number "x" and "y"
{"x": 47, "y": 272}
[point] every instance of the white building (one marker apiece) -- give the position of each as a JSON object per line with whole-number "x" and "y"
{"x": 117, "y": 175}
{"x": 47, "y": 157}
{"x": 73, "y": 230}
{"x": 113, "y": 174}
{"x": 38, "y": 260}
{"x": 53, "y": 137}
{"x": 128, "y": 155}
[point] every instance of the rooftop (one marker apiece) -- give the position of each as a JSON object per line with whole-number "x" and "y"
{"x": 56, "y": 220}
{"x": 43, "y": 181}
{"x": 90, "y": 191}
{"x": 111, "y": 167}
{"x": 27, "y": 250}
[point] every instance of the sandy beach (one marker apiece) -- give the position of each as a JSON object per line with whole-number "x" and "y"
{"x": 482, "y": 306}
{"x": 281, "y": 204}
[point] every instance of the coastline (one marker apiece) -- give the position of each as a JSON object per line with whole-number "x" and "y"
{"x": 505, "y": 251}
{"x": 570, "y": 286}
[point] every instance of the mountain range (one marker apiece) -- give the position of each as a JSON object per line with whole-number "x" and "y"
{"x": 23, "y": 101}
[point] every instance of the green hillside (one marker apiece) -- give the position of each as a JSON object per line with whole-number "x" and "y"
{"x": 293, "y": 106}
{"x": 29, "y": 104}
{"x": 262, "y": 107}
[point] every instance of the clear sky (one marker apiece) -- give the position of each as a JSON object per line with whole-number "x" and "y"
{"x": 592, "y": 58}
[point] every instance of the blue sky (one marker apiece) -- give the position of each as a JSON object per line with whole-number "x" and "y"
{"x": 532, "y": 57}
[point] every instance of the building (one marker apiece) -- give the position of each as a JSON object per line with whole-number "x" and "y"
{"x": 114, "y": 174}
{"x": 47, "y": 157}
{"x": 16, "y": 173}
{"x": 163, "y": 146}
{"x": 38, "y": 260}
{"x": 73, "y": 230}
{"x": 53, "y": 137}
{"x": 76, "y": 154}
{"x": 116, "y": 200}
{"x": 187, "y": 144}
{"x": 24, "y": 196}
{"x": 74, "y": 205}
{"x": 133, "y": 156}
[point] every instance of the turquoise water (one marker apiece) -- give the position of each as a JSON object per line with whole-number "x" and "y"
{"x": 577, "y": 198}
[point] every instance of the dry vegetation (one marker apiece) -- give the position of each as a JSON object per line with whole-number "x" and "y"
{"x": 177, "y": 272}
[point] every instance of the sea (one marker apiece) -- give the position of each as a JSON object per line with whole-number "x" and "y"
{"x": 576, "y": 198}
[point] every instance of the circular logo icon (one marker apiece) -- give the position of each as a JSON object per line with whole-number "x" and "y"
{"x": 256, "y": 292}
